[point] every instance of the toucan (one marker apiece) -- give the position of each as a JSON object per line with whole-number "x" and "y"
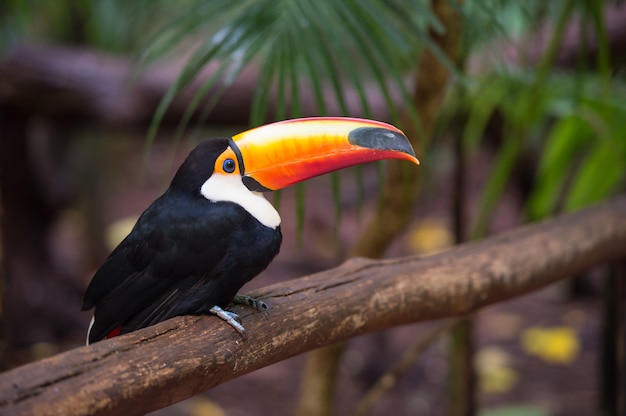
{"x": 212, "y": 230}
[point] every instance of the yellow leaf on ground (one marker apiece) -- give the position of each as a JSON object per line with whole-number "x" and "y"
{"x": 429, "y": 236}
{"x": 494, "y": 373}
{"x": 556, "y": 345}
{"x": 202, "y": 406}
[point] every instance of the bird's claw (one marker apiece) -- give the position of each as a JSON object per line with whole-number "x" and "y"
{"x": 254, "y": 303}
{"x": 231, "y": 318}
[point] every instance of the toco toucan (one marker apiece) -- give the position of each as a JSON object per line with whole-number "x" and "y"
{"x": 213, "y": 230}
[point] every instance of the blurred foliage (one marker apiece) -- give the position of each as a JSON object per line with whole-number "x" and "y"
{"x": 584, "y": 158}
{"x": 569, "y": 120}
{"x": 112, "y": 25}
{"x": 574, "y": 131}
{"x": 516, "y": 411}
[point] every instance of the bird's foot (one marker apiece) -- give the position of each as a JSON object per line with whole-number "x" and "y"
{"x": 231, "y": 318}
{"x": 254, "y": 303}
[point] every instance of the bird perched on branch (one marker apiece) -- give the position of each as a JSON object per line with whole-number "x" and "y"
{"x": 212, "y": 231}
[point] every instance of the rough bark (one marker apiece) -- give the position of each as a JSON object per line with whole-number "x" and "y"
{"x": 176, "y": 359}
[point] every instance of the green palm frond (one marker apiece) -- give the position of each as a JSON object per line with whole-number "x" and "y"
{"x": 300, "y": 47}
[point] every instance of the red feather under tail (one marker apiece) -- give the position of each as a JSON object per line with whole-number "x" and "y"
{"x": 114, "y": 333}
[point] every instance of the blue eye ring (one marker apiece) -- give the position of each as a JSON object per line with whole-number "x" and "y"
{"x": 229, "y": 165}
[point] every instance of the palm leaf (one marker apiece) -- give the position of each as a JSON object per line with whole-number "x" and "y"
{"x": 362, "y": 42}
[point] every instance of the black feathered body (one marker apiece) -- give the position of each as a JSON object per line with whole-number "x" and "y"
{"x": 182, "y": 257}
{"x": 185, "y": 255}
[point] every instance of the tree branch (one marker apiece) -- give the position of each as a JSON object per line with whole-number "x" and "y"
{"x": 176, "y": 359}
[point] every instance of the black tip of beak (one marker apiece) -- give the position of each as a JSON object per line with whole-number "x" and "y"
{"x": 380, "y": 139}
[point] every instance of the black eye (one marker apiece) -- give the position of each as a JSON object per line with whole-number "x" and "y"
{"x": 229, "y": 166}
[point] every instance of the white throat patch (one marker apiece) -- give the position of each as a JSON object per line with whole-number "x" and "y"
{"x": 220, "y": 187}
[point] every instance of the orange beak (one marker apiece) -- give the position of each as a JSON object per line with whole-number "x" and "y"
{"x": 280, "y": 154}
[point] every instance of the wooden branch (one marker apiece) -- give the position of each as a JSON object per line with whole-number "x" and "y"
{"x": 176, "y": 359}
{"x": 82, "y": 84}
